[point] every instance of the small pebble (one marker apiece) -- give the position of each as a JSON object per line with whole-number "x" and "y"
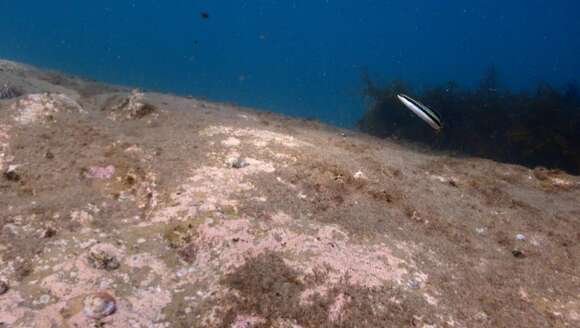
{"x": 3, "y": 287}
{"x": 101, "y": 260}
{"x": 99, "y": 305}
{"x": 481, "y": 316}
{"x": 414, "y": 284}
{"x": 519, "y": 236}
{"x": 236, "y": 163}
{"x": 44, "y": 299}
{"x": 11, "y": 173}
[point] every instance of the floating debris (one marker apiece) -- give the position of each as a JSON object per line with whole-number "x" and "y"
{"x": 3, "y": 287}
{"x": 99, "y": 305}
{"x": 101, "y": 260}
{"x": 424, "y": 112}
{"x": 204, "y": 14}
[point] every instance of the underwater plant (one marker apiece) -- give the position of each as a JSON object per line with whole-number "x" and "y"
{"x": 540, "y": 128}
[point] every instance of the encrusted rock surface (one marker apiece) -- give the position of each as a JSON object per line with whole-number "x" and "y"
{"x": 127, "y": 209}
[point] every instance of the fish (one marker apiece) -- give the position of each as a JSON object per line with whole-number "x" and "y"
{"x": 424, "y": 112}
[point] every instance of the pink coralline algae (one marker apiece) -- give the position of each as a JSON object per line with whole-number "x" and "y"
{"x": 100, "y": 172}
{"x": 330, "y": 248}
{"x": 336, "y": 309}
{"x": 246, "y": 321}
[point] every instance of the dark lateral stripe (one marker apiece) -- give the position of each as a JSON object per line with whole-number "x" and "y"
{"x": 432, "y": 115}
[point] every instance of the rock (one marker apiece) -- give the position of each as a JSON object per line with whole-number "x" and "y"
{"x": 48, "y": 232}
{"x": 518, "y": 254}
{"x": 9, "y": 92}
{"x": 359, "y": 175}
{"x": 101, "y": 260}
{"x": 3, "y": 287}
{"x": 520, "y": 236}
{"x": 99, "y": 305}
{"x": 236, "y": 163}
{"x": 11, "y": 174}
{"x": 43, "y": 108}
{"x": 132, "y": 107}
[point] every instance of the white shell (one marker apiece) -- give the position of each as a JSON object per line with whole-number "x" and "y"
{"x": 99, "y": 305}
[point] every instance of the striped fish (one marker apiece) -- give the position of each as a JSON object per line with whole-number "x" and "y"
{"x": 422, "y": 111}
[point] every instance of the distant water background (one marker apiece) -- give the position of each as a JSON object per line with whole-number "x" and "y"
{"x": 296, "y": 57}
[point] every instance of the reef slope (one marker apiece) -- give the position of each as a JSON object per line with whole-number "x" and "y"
{"x": 121, "y": 208}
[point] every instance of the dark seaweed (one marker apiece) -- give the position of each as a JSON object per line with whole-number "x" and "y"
{"x": 268, "y": 287}
{"x": 540, "y": 128}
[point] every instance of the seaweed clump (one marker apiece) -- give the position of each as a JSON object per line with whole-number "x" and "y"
{"x": 540, "y": 128}
{"x": 268, "y": 288}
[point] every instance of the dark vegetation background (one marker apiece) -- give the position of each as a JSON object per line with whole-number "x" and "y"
{"x": 301, "y": 58}
{"x": 533, "y": 128}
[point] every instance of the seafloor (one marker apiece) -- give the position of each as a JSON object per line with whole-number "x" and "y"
{"x": 120, "y": 208}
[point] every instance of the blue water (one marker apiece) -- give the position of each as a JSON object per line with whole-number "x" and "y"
{"x": 297, "y": 57}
